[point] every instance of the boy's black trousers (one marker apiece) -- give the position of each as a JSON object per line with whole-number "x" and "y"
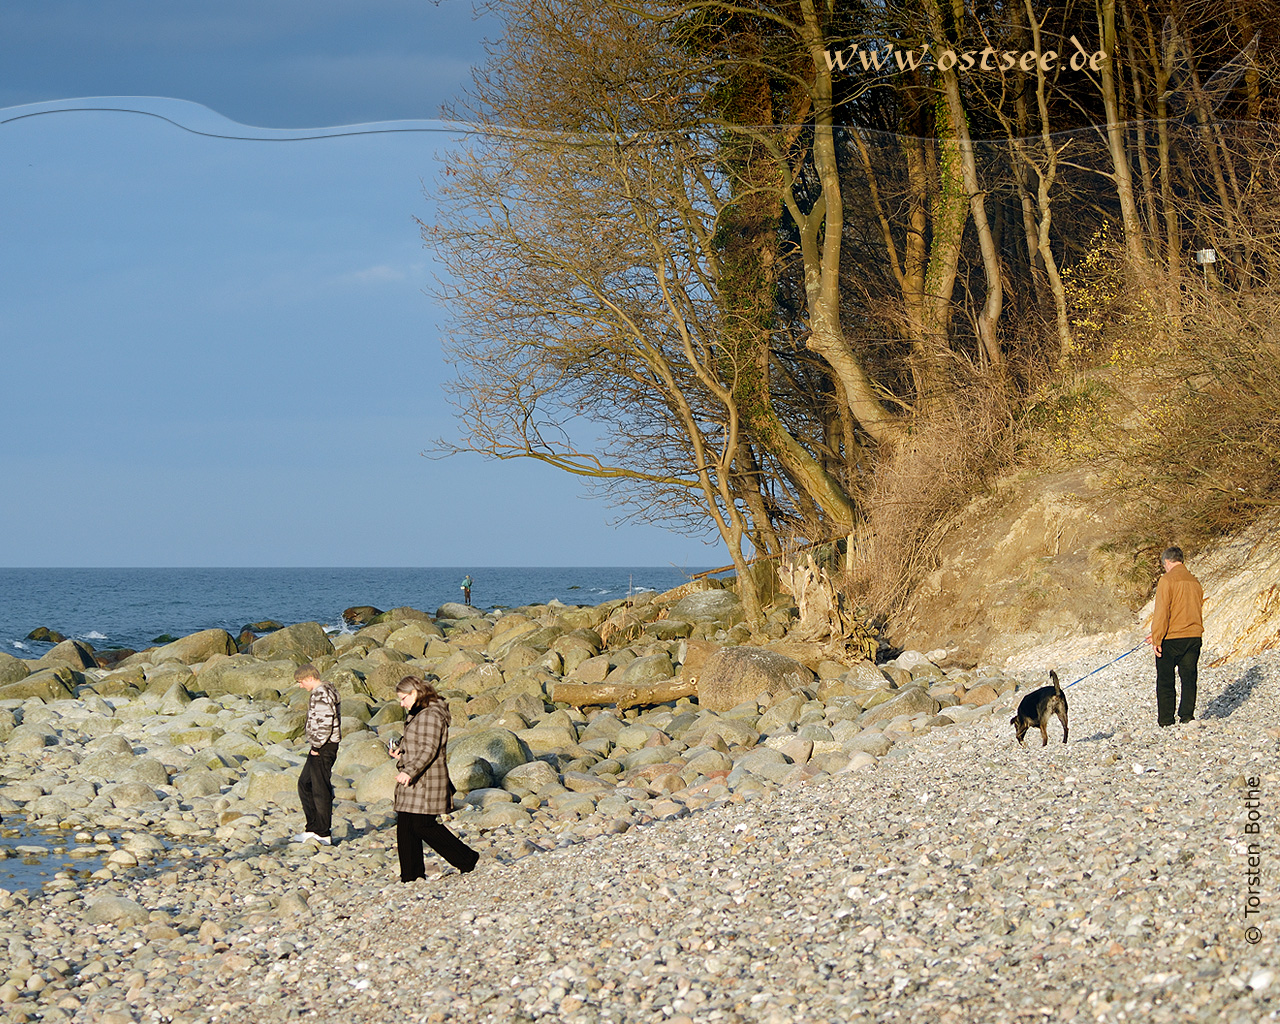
{"x": 315, "y": 789}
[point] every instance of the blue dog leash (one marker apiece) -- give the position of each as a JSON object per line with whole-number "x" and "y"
{"x": 1107, "y": 665}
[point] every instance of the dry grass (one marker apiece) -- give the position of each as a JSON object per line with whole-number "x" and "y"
{"x": 918, "y": 488}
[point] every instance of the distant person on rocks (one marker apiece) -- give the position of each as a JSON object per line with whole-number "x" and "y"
{"x": 466, "y": 589}
{"x": 423, "y": 789}
{"x": 1177, "y": 629}
{"x": 323, "y": 731}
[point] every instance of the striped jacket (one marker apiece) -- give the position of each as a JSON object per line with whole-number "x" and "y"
{"x": 422, "y": 758}
{"x": 324, "y": 716}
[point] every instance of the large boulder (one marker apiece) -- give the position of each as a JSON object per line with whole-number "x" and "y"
{"x": 26, "y": 739}
{"x": 455, "y": 610}
{"x": 719, "y": 607}
{"x": 71, "y": 653}
{"x": 414, "y": 638}
{"x": 300, "y": 644}
{"x": 249, "y": 677}
{"x": 500, "y": 748}
{"x": 360, "y": 753}
{"x": 266, "y": 786}
{"x": 119, "y": 910}
{"x": 734, "y": 675}
{"x": 479, "y": 679}
{"x": 652, "y": 668}
{"x": 12, "y": 669}
{"x": 380, "y": 679}
{"x": 587, "y": 617}
{"x": 360, "y": 614}
{"x": 910, "y": 701}
{"x": 377, "y": 784}
{"x": 196, "y": 648}
{"x": 47, "y": 684}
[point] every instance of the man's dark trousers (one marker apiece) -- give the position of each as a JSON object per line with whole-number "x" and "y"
{"x": 1182, "y": 654}
{"x": 315, "y": 789}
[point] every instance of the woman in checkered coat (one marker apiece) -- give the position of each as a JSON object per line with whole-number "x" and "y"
{"x": 423, "y": 789}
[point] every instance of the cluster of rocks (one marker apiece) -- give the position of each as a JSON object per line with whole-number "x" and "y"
{"x": 176, "y": 769}
{"x": 957, "y": 877}
{"x": 204, "y": 719}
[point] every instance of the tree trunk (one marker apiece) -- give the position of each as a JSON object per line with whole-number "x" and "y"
{"x": 602, "y": 694}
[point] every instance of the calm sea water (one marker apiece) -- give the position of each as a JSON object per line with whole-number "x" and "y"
{"x": 130, "y": 607}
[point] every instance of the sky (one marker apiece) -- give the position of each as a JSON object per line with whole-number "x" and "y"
{"x": 218, "y": 341}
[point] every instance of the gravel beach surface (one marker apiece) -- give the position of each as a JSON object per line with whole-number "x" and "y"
{"x": 957, "y": 877}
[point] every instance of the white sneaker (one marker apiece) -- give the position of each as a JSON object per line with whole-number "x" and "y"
{"x": 305, "y": 837}
{"x": 322, "y": 840}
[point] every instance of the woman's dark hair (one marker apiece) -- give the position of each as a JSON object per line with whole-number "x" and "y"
{"x": 423, "y": 692}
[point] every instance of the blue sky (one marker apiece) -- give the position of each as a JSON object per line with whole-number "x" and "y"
{"x": 219, "y": 352}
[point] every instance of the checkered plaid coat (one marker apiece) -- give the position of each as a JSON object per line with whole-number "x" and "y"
{"x": 422, "y": 758}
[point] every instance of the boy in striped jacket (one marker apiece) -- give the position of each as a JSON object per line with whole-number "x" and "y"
{"x": 323, "y": 730}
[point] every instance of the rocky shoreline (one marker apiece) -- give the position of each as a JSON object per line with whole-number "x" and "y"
{"x": 847, "y": 841}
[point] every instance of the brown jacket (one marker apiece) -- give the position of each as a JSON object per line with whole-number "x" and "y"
{"x": 422, "y": 758}
{"x": 1179, "y": 606}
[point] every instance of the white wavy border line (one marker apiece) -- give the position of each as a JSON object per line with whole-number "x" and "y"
{"x": 198, "y": 119}
{"x": 187, "y": 115}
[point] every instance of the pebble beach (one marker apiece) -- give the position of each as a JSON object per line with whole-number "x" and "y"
{"x": 921, "y": 866}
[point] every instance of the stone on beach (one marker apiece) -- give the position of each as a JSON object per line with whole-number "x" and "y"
{"x": 196, "y": 648}
{"x": 733, "y": 675}
{"x": 788, "y": 857}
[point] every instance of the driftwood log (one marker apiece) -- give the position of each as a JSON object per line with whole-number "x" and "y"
{"x": 592, "y": 694}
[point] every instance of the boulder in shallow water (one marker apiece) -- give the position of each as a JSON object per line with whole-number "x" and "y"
{"x": 360, "y": 614}
{"x": 262, "y": 626}
{"x": 456, "y": 610}
{"x": 45, "y": 635}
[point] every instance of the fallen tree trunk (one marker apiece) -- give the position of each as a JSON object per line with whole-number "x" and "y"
{"x": 590, "y": 694}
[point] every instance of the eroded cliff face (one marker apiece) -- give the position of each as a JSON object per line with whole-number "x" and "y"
{"x": 1030, "y": 575}
{"x": 1241, "y": 579}
{"x": 1025, "y": 566}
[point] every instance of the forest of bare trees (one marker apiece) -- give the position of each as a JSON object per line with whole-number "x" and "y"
{"x": 807, "y": 271}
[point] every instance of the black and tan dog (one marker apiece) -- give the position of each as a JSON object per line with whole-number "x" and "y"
{"x": 1036, "y": 709}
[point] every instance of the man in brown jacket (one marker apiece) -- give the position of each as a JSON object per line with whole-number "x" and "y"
{"x": 1177, "y": 628}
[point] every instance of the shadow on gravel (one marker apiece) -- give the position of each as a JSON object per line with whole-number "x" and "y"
{"x": 1230, "y": 699}
{"x": 1097, "y": 737}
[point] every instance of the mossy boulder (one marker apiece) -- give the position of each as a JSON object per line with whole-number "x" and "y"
{"x": 12, "y": 669}
{"x": 71, "y": 653}
{"x": 299, "y": 643}
{"x": 47, "y": 684}
{"x": 196, "y": 648}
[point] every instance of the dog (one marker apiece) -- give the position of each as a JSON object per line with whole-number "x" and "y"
{"x": 1036, "y": 709}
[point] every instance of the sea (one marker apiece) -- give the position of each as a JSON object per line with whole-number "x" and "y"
{"x": 132, "y": 607}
